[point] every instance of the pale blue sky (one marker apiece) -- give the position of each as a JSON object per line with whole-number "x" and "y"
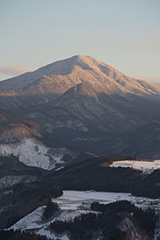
{"x": 122, "y": 33}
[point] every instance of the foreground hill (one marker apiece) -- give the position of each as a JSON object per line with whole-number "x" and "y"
{"x": 24, "y": 188}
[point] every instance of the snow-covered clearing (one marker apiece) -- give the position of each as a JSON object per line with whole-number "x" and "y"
{"x": 145, "y": 166}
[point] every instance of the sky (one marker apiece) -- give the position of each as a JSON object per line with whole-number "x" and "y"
{"x": 122, "y": 33}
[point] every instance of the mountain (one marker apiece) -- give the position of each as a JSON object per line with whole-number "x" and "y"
{"x": 75, "y": 108}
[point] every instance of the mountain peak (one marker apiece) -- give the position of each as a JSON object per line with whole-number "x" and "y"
{"x": 81, "y": 58}
{"x": 84, "y": 60}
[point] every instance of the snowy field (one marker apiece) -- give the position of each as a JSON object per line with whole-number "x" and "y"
{"x": 72, "y": 200}
{"x": 145, "y": 166}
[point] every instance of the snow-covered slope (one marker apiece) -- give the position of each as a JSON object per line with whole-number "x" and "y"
{"x": 34, "y": 153}
{"x": 24, "y": 140}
